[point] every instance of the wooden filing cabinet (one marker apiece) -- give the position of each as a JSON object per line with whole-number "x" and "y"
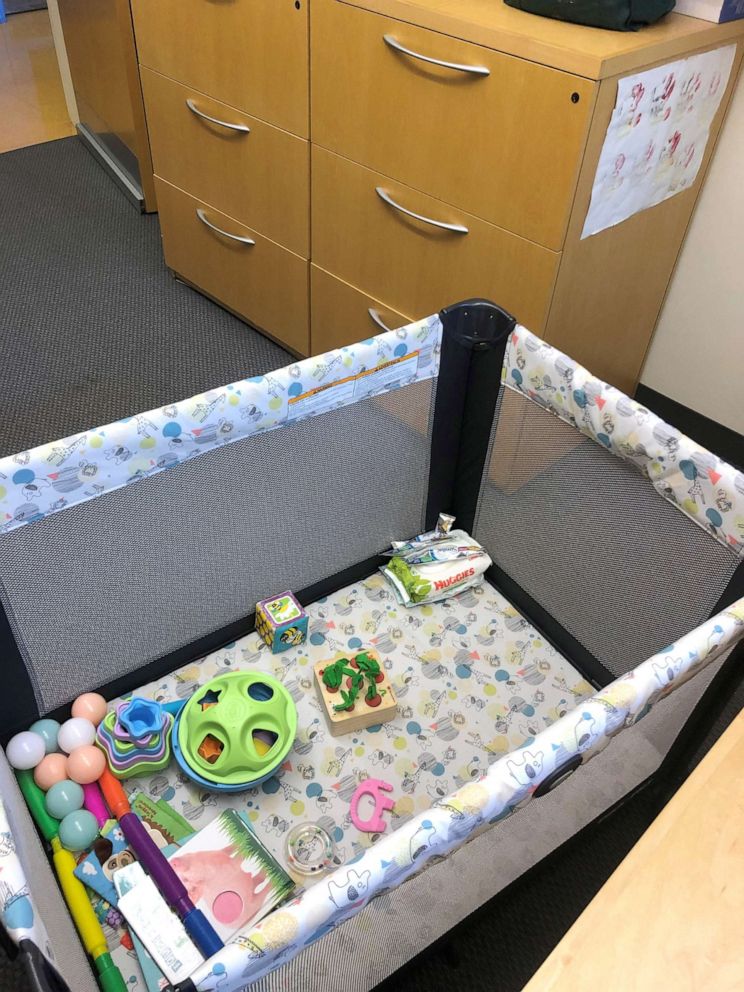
{"x": 498, "y": 137}
{"x": 252, "y": 54}
{"x": 413, "y": 265}
{"x": 339, "y": 312}
{"x": 251, "y": 170}
{"x": 235, "y": 265}
{"x": 225, "y": 84}
{"x": 409, "y": 153}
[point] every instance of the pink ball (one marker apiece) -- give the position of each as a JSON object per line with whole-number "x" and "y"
{"x": 86, "y": 764}
{"x": 91, "y": 706}
{"x": 51, "y": 769}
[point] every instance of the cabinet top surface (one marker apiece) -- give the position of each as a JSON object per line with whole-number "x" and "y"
{"x": 670, "y": 915}
{"x": 592, "y": 52}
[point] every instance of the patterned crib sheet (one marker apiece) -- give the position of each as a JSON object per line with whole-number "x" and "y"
{"x": 473, "y": 680}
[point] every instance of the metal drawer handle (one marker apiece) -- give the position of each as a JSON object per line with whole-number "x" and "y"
{"x": 202, "y": 215}
{"x": 457, "y": 228}
{"x": 475, "y": 70}
{"x": 243, "y": 128}
{"x": 377, "y": 319}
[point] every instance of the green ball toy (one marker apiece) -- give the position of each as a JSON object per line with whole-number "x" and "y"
{"x": 48, "y": 730}
{"x": 63, "y": 798}
{"x": 78, "y": 830}
{"x": 236, "y": 730}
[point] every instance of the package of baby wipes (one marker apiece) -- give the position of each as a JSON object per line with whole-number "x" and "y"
{"x": 435, "y": 566}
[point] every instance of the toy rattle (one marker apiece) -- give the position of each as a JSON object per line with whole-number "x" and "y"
{"x": 372, "y": 787}
{"x": 310, "y": 849}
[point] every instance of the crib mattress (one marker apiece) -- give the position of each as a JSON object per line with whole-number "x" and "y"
{"x": 473, "y": 680}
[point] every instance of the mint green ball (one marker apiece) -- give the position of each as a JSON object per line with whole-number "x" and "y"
{"x": 78, "y": 830}
{"x": 48, "y": 730}
{"x": 64, "y": 798}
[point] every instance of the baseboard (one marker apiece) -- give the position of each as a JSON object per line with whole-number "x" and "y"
{"x": 116, "y": 169}
{"x": 722, "y": 441}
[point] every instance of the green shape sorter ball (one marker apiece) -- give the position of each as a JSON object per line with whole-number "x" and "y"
{"x": 237, "y": 729}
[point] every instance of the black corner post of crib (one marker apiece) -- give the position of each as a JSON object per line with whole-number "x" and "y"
{"x": 474, "y": 338}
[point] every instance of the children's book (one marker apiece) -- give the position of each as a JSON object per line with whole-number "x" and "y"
{"x": 230, "y": 875}
{"x": 156, "y": 925}
{"x": 110, "y": 852}
{"x": 120, "y": 944}
{"x": 164, "y": 825}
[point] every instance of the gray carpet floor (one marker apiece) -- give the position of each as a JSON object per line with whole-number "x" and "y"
{"x": 93, "y": 327}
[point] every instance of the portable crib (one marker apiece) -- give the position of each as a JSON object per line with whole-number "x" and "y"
{"x": 130, "y": 551}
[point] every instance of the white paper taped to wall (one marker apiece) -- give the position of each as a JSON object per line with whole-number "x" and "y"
{"x": 657, "y": 136}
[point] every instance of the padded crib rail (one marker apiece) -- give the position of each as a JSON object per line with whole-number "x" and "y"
{"x": 20, "y": 916}
{"x": 609, "y": 529}
{"x": 697, "y": 482}
{"x": 61, "y": 474}
{"x": 135, "y": 547}
{"x": 510, "y": 782}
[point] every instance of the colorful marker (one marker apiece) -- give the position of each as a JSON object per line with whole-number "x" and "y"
{"x": 158, "y": 867}
{"x": 93, "y": 801}
{"x": 85, "y": 919}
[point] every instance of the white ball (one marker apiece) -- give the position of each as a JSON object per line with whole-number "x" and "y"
{"x": 76, "y": 733}
{"x": 25, "y": 750}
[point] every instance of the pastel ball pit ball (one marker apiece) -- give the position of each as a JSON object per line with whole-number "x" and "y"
{"x": 86, "y": 764}
{"x": 64, "y": 798}
{"x": 91, "y": 706}
{"x": 51, "y": 769}
{"x": 78, "y": 830}
{"x": 25, "y": 750}
{"x": 76, "y": 732}
{"x": 48, "y": 730}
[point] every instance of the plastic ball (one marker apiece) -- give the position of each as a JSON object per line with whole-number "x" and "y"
{"x": 48, "y": 730}
{"x": 91, "y": 706}
{"x": 64, "y": 798}
{"x": 86, "y": 764}
{"x": 78, "y": 830}
{"x": 25, "y": 750}
{"x": 50, "y": 770}
{"x": 76, "y": 732}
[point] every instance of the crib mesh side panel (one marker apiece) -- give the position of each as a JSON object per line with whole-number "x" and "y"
{"x": 100, "y": 589}
{"x": 587, "y": 536}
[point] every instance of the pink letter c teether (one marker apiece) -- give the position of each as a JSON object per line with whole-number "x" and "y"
{"x": 372, "y": 787}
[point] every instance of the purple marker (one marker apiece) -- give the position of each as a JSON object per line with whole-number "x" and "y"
{"x": 159, "y": 868}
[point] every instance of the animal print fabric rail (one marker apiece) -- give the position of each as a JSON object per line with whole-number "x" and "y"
{"x": 60, "y": 474}
{"x": 472, "y": 678}
{"x": 699, "y": 483}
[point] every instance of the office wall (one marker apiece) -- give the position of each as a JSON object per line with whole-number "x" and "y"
{"x": 697, "y": 354}
{"x": 64, "y": 65}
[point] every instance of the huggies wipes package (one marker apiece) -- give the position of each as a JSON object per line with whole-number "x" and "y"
{"x": 435, "y": 565}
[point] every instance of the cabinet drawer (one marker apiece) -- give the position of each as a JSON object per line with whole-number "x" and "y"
{"x": 505, "y": 146}
{"x": 259, "y": 176}
{"x": 252, "y": 54}
{"x": 417, "y": 268}
{"x": 263, "y": 282}
{"x": 340, "y": 314}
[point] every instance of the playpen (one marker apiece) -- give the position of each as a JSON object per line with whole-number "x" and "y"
{"x": 132, "y": 550}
